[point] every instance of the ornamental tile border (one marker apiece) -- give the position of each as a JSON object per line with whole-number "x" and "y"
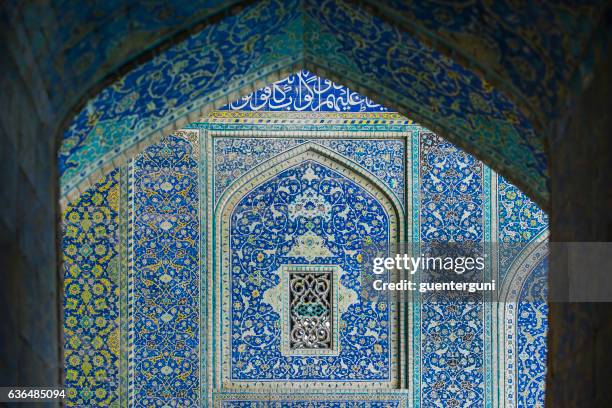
{"x": 291, "y": 157}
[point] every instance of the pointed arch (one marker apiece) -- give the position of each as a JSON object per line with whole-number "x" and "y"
{"x": 293, "y": 158}
{"x": 316, "y": 152}
{"x": 223, "y": 62}
{"x": 526, "y": 262}
{"x": 522, "y": 266}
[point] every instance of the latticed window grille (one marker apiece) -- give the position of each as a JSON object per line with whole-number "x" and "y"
{"x": 310, "y": 311}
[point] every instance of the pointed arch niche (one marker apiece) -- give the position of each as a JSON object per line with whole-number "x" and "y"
{"x": 522, "y": 324}
{"x": 316, "y": 195}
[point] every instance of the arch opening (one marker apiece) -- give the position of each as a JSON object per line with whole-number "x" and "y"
{"x": 406, "y": 162}
{"x": 153, "y": 99}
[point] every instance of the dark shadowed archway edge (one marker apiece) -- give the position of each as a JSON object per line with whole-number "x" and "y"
{"x": 429, "y": 88}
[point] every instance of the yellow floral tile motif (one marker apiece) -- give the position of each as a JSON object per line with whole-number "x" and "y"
{"x": 91, "y": 292}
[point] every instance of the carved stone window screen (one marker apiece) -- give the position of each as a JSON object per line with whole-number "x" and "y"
{"x": 310, "y": 310}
